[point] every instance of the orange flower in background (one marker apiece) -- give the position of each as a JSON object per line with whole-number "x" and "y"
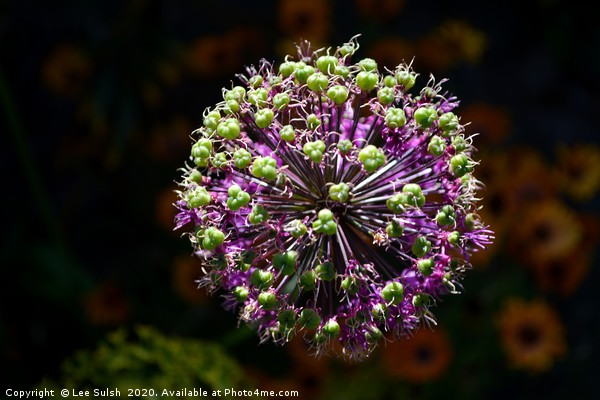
{"x": 164, "y": 210}
{"x": 305, "y": 19}
{"x": 420, "y": 358}
{"x": 532, "y": 335}
{"x": 451, "y": 43}
{"x": 550, "y": 231}
{"x": 107, "y": 305}
{"x": 530, "y": 181}
{"x": 210, "y": 56}
{"x": 563, "y": 275}
{"x": 578, "y": 170}
{"x": 382, "y": 10}
{"x": 186, "y": 272}
{"x": 391, "y": 51}
{"x": 491, "y": 123}
{"x": 66, "y": 70}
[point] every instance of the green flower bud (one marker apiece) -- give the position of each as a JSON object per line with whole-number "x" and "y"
{"x": 389, "y": 81}
{"x": 406, "y": 79}
{"x": 287, "y": 68}
{"x": 286, "y": 262}
{"x": 308, "y": 280}
{"x": 426, "y": 265}
{"x": 325, "y": 271}
{"x": 372, "y": 158}
{"x": 296, "y": 228}
{"x": 344, "y": 146}
{"x": 327, "y": 64}
{"x": 312, "y": 121}
{"x": 394, "y": 229}
{"x": 350, "y": 285}
{"x": 331, "y": 328}
{"x": 232, "y": 106}
{"x": 325, "y": 223}
{"x": 237, "y": 198}
{"x": 237, "y": 94}
{"x": 281, "y": 100}
{"x": 309, "y": 319}
{"x": 287, "y": 133}
{"x": 211, "y": 121}
{"x": 395, "y": 118}
{"x": 420, "y": 300}
{"x": 258, "y": 97}
{"x": 414, "y": 195}
{"x": 393, "y": 293}
{"x": 395, "y": 203}
{"x": 264, "y": 117}
{"x": 339, "y": 192}
{"x": 470, "y": 221}
{"x": 347, "y": 49}
{"x": 448, "y": 122}
{"x": 201, "y": 151}
{"x": 287, "y": 319}
{"x": 261, "y": 279}
{"x": 258, "y": 215}
{"x": 386, "y": 95}
{"x": 240, "y": 293}
{"x": 242, "y": 158}
{"x": 454, "y": 238}
{"x": 303, "y": 71}
{"x": 195, "y": 176}
{"x": 379, "y": 312}
{"x": 229, "y": 129}
{"x": 367, "y": 64}
{"x": 219, "y": 160}
{"x": 459, "y": 144}
{"x": 421, "y": 246}
{"x": 264, "y": 167}
{"x": 212, "y": 238}
{"x": 373, "y": 335}
{"x": 342, "y": 70}
{"x": 198, "y": 197}
{"x": 255, "y": 81}
{"x": 425, "y": 116}
{"x": 436, "y": 146}
{"x": 267, "y": 300}
{"x": 366, "y": 80}
{"x": 446, "y": 216}
{"x": 317, "y": 82}
{"x": 460, "y": 165}
{"x": 314, "y": 150}
{"x": 338, "y": 93}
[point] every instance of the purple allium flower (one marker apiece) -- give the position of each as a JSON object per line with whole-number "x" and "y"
{"x": 323, "y": 198}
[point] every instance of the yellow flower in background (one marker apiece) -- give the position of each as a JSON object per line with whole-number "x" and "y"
{"x": 531, "y": 334}
{"x": 421, "y": 358}
{"x": 578, "y": 170}
{"x": 211, "y": 55}
{"x": 186, "y": 271}
{"x": 305, "y": 19}
{"x": 491, "y": 123}
{"x": 451, "y": 43}
{"x": 66, "y": 70}
{"x": 563, "y": 275}
{"x": 547, "y": 232}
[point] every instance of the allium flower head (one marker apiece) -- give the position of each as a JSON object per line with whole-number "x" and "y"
{"x": 324, "y": 199}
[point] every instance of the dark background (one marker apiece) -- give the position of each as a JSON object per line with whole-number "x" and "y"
{"x": 98, "y": 99}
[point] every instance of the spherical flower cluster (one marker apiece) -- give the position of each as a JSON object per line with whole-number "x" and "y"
{"x": 324, "y": 199}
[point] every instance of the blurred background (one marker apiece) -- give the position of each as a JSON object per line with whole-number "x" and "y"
{"x": 97, "y": 102}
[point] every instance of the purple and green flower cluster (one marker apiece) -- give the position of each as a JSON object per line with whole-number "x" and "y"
{"x": 332, "y": 199}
